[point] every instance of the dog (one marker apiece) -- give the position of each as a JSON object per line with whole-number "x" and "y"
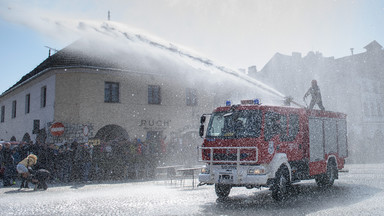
{"x": 39, "y": 178}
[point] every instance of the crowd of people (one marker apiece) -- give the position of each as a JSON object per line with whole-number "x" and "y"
{"x": 81, "y": 162}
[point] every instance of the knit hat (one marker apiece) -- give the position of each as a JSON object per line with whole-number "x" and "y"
{"x": 34, "y": 157}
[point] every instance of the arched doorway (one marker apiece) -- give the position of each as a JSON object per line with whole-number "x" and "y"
{"x": 113, "y": 154}
{"x": 112, "y": 132}
{"x": 26, "y": 138}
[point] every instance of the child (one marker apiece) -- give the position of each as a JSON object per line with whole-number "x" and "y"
{"x": 23, "y": 169}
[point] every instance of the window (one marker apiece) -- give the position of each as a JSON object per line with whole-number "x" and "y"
{"x": 289, "y": 127}
{"x": 373, "y": 112}
{"x": 43, "y": 96}
{"x": 379, "y": 111}
{"x": 111, "y": 92}
{"x": 191, "y": 97}
{"x": 283, "y": 128}
{"x": 294, "y": 126}
{"x": 14, "y": 103}
{"x": 27, "y": 103}
{"x": 272, "y": 125}
{"x": 36, "y": 126}
{"x": 2, "y": 113}
{"x": 154, "y": 94}
{"x": 246, "y": 123}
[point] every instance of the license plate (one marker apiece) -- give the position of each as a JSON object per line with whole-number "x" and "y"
{"x": 226, "y": 179}
{"x": 228, "y": 167}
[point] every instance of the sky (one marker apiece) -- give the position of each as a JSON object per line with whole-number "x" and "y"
{"x": 233, "y": 33}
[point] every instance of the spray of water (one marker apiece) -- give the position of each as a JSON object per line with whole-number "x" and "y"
{"x": 194, "y": 60}
{"x": 125, "y": 39}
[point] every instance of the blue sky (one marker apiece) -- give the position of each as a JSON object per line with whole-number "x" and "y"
{"x": 21, "y": 50}
{"x": 234, "y": 33}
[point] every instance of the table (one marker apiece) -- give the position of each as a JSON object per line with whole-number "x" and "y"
{"x": 170, "y": 170}
{"x": 189, "y": 172}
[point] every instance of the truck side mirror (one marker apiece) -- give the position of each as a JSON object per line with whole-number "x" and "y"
{"x": 201, "y": 131}
{"x": 202, "y": 119}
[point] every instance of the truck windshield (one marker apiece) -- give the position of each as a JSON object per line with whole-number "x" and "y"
{"x": 236, "y": 124}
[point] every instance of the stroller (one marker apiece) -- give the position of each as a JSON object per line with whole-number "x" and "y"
{"x": 39, "y": 178}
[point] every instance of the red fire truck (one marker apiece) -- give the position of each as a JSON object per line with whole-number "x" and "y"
{"x": 252, "y": 145}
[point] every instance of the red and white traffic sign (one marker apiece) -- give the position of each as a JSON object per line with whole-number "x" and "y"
{"x": 57, "y": 129}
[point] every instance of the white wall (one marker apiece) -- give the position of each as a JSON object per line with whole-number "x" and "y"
{"x": 24, "y": 121}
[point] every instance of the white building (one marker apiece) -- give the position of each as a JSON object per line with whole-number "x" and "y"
{"x": 100, "y": 90}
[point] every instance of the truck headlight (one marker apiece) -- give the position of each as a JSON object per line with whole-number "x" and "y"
{"x": 256, "y": 171}
{"x": 205, "y": 170}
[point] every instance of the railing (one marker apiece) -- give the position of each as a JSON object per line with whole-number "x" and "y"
{"x": 239, "y": 159}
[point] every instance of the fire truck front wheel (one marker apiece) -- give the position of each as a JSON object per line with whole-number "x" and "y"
{"x": 222, "y": 190}
{"x": 281, "y": 185}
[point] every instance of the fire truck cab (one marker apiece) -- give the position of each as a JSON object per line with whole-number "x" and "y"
{"x": 252, "y": 145}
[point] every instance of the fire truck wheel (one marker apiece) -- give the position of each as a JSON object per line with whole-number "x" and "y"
{"x": 281, "y": 186}
{"x": 222, "y": 190}
{"x": 329, "y": 177}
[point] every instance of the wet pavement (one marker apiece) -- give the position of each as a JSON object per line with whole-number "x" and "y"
{"x": 360, "y": 191}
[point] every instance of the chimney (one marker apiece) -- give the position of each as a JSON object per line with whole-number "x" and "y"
{"x": 252, "y": 70}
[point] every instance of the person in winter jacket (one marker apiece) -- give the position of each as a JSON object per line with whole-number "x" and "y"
{"x": 23, "y": 168}
{"x": 8, "y": 163}
{"x": 1, "y": 153}
{"x": 314, "y": 91}
{"x": 1, "y": 161}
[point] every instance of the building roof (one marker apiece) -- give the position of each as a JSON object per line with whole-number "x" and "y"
{"x": 135, "y": 54}
{"x": 374, "y": 45}
{"x": 66, "y": 57}
{"x": 107, "y": 54}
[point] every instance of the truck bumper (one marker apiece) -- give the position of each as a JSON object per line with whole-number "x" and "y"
{"x": 241, "y": 180}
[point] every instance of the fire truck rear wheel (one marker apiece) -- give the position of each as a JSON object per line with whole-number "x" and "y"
{"x": 281, "y": 185}
{"x": 327, "y": 179}
{"x": 222, "y": 190}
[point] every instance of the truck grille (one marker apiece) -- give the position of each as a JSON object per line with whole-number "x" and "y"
{"x": 228, "y": 154}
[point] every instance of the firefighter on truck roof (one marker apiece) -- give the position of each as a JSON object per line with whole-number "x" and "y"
{"x": 314, "y": 91}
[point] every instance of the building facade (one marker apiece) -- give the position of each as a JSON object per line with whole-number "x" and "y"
{"x": 139, "y": 96}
